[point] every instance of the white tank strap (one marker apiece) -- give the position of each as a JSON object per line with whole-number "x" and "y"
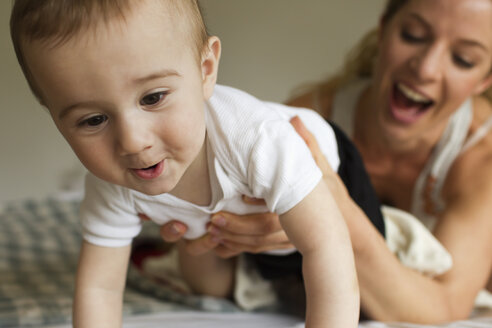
{"x": 443, "y": 156}
{"x": 479, "y": 134}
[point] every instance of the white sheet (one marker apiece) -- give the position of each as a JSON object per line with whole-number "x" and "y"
{"x": 257, "y": 320}
{"x": 207, "y": 320}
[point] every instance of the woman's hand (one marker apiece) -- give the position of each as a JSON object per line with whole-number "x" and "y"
{"x": 331, "y": 178}
{"x": 230, "y": 234}
{"x": 173, "y": 231}
{"x": 251, "y": 233}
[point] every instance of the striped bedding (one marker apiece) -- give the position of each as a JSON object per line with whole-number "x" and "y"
{"x": 39, "y": 243}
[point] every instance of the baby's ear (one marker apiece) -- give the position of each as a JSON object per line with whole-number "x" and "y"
{"x": 210, "y": 65}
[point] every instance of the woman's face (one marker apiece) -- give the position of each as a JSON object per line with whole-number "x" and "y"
{"x": 433, "y": 55}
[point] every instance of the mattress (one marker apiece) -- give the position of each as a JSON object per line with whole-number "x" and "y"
{"x": 39, "y": 243}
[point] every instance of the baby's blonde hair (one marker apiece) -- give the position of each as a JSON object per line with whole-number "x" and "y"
{"x": 57, "y": 21}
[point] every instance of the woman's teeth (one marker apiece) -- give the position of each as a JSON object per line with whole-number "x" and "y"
{"x": 407, "y": 105}
{"x": 412, "y": 95}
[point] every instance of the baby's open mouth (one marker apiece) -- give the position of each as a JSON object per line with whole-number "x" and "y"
{"x": 150, "y": 172}
{"x": 150, "y": 167}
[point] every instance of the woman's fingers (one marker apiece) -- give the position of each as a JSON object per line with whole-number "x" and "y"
{"x": 228, "y": 249}
{"x": 253, "y": 201}
{"x": 253, "y": 243}
{"x": 332, "y": 179}
{"x": 312, "y": 144}
{"x": 225, "y": 252}
{"x": 251, "y": 233}
{"x": 172, "y": 231}
{"x": 229, "y": 234}
{"x": 143, "y": 217}
{"x": 201, "y": 245}
{"x": 249, "y": 224}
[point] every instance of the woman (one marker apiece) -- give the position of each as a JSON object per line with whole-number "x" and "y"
{"x": 421, "y": 123}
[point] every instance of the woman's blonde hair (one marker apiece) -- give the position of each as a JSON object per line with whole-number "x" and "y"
{"x": 359, "y": 62}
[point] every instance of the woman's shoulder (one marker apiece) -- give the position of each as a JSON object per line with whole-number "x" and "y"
{"x": 482, "y": 109}
{"x": 480, "y": 133}
{"x": 474, "y": 165}
{"x": 318, "y": 97}
{"x": 304, "y": 100}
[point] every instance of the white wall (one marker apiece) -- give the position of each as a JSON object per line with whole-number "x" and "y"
{"x": 269, "y": 48}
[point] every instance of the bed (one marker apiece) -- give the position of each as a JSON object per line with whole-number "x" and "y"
{"x": 39, "y": 242}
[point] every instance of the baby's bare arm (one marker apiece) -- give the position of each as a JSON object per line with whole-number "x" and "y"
{"x": 100, "y": 282}
{"x": 316, "y": 227}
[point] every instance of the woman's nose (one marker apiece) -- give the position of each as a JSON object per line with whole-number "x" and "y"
{"x": 428, "y": 64}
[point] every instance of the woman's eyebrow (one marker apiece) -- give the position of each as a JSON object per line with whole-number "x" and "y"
{"x": 468, "y": 42}
{"x": 474, "y": 43}
{"x": 420, "y": 19}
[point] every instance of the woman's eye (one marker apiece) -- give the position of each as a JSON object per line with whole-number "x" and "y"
{"x": 460, "y": 61}
{"x": 94, "y": 121}
{"x": 411, "y": 38}
{"x": 153, "y": 98}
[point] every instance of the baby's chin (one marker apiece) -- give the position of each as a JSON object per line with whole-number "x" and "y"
{"x": 150, "y": 188}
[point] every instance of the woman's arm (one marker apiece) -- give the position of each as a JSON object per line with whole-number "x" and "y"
{"x": 230, "y": 234}
{"x": 392, "y": 292}
{"x": 465, "y": 228}
{"x": 100, "y": 282}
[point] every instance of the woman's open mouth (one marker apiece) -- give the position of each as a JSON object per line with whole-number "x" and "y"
{"x": 150, "y": 172}
{"x": 408, "y": 105}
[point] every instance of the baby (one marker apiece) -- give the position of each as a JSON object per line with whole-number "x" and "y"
{"x": 131, "y": 85}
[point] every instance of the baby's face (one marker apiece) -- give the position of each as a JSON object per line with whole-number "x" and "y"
{"x": 128, "y": 97}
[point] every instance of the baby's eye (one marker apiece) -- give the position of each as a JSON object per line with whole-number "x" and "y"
{"x": 94, "y": 121}
{"x": 153, "y": 98}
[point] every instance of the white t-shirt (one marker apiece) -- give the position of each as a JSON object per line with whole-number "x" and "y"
{"x": 252, "y": 150}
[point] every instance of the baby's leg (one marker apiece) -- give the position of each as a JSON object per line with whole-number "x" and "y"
{"x": 207, "y": 273}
